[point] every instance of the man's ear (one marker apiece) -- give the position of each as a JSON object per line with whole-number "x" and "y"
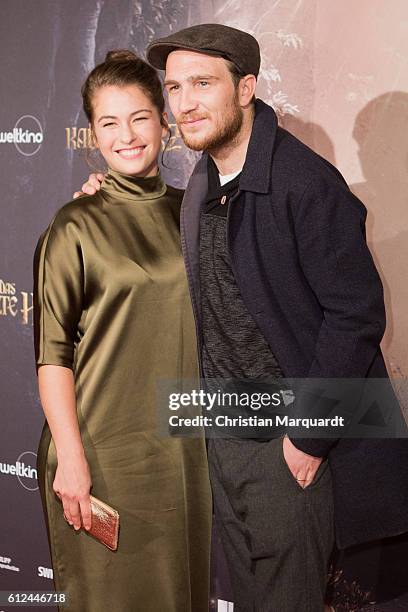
{"x": 247, "y": 86}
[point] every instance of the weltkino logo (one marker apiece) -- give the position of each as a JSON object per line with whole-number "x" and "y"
{"x": 25, "y": 473}
{"x": 27, "y": 135}
{"x": 18, "y": 469}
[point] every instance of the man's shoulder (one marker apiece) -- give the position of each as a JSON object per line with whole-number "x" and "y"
{"x": 296, "y": 161}
{"x": 298, "y": 170}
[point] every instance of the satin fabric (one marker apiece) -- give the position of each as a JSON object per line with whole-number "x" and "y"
{"x": 112, "y": 304}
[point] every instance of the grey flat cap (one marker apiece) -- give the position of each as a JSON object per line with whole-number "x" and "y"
{"x": 212, "y": 39}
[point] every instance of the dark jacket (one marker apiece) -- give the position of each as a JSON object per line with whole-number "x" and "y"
{"x": 296, "y": 240}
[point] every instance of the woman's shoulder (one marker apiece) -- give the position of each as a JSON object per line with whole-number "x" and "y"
{"x": 71, "y": 217}
{"x": 78, "y": 209}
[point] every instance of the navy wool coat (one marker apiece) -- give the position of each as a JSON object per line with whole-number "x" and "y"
{"x": 297, "y": 247}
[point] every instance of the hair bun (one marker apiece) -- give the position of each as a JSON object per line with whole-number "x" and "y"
{"x": 120, "y": 55}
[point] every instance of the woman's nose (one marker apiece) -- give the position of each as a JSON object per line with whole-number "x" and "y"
{"x": 127, "y": 134}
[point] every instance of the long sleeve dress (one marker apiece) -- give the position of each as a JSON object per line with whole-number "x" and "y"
{"x": 112, "y": 304}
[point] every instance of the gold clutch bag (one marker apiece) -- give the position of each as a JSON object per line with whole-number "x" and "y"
{"x": 104, "y": 523}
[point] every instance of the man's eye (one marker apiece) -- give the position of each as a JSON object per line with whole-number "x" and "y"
{"x": 203, "y": 83}
{"x": 173, "y": 88}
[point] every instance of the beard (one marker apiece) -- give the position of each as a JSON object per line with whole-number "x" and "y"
{"x": 225, "y": 131}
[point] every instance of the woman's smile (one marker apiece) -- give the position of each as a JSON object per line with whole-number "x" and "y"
{"x": 131, "y": 153}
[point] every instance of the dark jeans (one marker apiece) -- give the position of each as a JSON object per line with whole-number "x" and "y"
{"x": 277, "y": 537}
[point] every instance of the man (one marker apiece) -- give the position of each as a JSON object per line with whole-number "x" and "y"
{"x": 282, "y": 284}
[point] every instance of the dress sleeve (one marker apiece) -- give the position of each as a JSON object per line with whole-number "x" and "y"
{"x": 58, "y": 294}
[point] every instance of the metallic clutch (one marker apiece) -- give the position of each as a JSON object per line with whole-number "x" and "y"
{"x": 105, "y": 523}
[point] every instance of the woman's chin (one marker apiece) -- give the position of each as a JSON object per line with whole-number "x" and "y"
{"x": 131, "y": 167}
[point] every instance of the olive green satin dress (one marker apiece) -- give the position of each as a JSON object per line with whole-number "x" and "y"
{"x": 112, "y": 304}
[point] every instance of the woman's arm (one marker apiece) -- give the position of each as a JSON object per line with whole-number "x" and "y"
{"x": 72, "y": 481}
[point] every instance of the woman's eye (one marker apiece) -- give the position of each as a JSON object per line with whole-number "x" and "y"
{"x": 173, "y": 88}
{"x": 140, "y": 118}
{"x": 108, "y": 124}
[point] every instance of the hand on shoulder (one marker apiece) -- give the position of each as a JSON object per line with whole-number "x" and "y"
{"x": 92, "y": 185}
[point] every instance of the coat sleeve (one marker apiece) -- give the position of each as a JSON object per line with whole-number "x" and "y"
{"x": 338, "y": 266}
{"x": 58, "y": 294}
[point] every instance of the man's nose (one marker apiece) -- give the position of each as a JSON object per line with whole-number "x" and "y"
{"x": 187, "y": 101}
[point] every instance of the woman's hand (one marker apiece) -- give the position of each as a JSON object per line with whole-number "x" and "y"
{"x": 72, "y": 481}
{"x": 72, "y": 485}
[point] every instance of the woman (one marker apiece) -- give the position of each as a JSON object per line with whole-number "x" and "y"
{"x": 112, "y": 318}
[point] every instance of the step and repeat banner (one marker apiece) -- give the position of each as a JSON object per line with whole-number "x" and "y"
{"x": 336, "y": 73}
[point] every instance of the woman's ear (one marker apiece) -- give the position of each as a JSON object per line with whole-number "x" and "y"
{"x": 165, "y": 124}
{"x": 92, "y": 137}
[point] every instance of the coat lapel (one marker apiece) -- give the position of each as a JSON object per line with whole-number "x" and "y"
{"x": 192, "y": 204}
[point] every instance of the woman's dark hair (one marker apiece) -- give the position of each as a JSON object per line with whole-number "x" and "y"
{"x": 121, "y": 68}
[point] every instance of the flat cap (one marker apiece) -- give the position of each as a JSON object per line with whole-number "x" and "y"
{"x": 212, "y": 39}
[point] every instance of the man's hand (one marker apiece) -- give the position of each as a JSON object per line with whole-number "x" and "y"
{"x": 92, "y": 185}
{"x": 302, "y": 466}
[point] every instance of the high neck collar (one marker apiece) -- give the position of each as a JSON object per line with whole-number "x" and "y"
{"x": 133, "y": 187}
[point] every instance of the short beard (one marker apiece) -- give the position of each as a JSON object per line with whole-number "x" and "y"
{"x": 223, "y": 135}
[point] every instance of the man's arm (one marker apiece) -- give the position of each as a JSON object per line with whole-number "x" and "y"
{"x": 336, "y": 261}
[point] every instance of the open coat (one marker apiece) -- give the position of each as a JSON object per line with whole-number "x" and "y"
{"x": 297, "y": 247}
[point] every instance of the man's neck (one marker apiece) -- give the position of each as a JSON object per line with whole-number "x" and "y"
{"x": 231, "y": 157}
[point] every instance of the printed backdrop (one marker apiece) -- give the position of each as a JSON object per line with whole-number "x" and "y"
{"x": 336, "y": 73}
